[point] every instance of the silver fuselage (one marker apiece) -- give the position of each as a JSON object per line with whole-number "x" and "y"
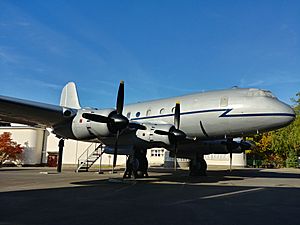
{"x": 217, "y": 114}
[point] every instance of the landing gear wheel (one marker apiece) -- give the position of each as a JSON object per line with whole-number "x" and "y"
{"x": 132, "y": 165}
{"x": 137, "y": 165}
{"x": 198, "y": 166}
{"x": 142, "y": 170}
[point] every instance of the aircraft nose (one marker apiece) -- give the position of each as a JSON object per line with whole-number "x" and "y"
{"x": 288, "y": 113}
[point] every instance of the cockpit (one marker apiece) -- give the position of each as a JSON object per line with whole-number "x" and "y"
{"x": 254, "y": 92}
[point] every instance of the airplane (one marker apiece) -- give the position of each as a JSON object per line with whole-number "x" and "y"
{"x": 189, "y": 126}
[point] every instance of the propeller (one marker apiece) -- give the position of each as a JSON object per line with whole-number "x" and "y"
{"x": 230, "y": 161}
{"x": 116, "y": 149}
{"x": 116, "y": 121}
{"x": 175, "y": 134}
{"x": 230, "y": 146}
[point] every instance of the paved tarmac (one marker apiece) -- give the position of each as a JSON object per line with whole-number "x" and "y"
{"x": 35, "y": 196}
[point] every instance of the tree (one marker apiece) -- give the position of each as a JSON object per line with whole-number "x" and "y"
{"x": 280, "y": 147}
{"x": 261, "y": 153}
{"x": 286, "y": 143}
{"x": 297, "y": 103}
{"x": 9, "y": 149}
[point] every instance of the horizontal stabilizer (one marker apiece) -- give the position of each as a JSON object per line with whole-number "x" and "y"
{"x": 69, "y": 97}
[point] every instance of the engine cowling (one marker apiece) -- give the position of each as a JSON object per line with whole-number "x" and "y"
{"x": 150, "y": 136}
{"x": 83, "y": 128}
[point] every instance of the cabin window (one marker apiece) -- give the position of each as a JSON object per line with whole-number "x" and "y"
{"x": 128, "y": 115}
{"x": 162, "y": 111}
{"x": 173, "y": 110}
{"x": 148, "y": 113}
{"x": 224, "y": 101}
{"x": 138, "y": 114}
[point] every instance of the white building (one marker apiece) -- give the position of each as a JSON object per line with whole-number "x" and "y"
{"x": 38, "y": 143}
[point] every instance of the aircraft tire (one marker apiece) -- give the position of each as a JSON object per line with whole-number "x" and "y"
{"x": 198, "y": 167}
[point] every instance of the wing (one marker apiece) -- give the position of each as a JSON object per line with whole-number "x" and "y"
{"x": 29, "y": 112}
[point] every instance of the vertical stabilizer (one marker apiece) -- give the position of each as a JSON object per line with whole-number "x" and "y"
{"x": 69, "y": 97}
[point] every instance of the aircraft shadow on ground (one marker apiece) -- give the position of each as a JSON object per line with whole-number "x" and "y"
{"x": 170, "y": 200}
{"x": 182, "y": 176}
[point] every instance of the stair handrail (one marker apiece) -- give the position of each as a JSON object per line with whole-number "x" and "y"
{"x": 87, "y": 153}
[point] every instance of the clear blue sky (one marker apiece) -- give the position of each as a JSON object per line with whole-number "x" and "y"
{"x": 160, "y": 48}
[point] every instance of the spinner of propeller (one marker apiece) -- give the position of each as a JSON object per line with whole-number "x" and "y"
{"x": 117, "y": 122}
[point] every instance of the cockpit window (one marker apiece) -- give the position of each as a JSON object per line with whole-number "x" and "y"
{"x": 260, "y": 93}
{"x": 269, "y": 94}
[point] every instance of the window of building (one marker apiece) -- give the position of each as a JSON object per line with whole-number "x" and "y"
{"x": 157, "y": 152}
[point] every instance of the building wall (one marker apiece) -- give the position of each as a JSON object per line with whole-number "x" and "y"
{"x": 238, "y": 159}
{"x": 39, "y": 142}
{"x": 74, "y": 149}
{"x": 32, "y": 141}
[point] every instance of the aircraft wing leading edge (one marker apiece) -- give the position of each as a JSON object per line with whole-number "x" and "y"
{"x": 29, "y": 112}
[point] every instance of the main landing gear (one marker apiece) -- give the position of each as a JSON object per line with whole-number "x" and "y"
{"x": 198, "y": 166}
{"x": 137, "y": 165}
{"x": 61, "y": 145}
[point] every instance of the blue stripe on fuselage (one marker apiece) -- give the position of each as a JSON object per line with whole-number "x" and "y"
{"x": 225, "y": 114}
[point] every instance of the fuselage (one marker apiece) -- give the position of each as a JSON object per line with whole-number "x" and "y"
{"x": 209, "y": 115}
{"x": 217, "y": 114}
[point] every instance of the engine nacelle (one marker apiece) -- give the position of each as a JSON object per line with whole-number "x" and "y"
{"x": 212, "y": 147}
{"x": 220, "y": 147}
{"x": 85, "y": 129}
{"x": 225, "y": 146}
{"x": 150, "y": 136}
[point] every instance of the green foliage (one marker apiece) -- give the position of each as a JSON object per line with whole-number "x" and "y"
{"x": 297, "y": 103}
{"x": 286, "y": 143}
{"x": 281, "y": 147}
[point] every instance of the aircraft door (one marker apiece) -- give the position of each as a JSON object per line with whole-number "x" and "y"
{"x": 224, "y": 101}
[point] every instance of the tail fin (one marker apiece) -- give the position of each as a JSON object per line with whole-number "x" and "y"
{"x": 69, "y": 97}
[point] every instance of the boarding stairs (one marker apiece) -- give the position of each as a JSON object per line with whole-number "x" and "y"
{"x": 87, "y": 159}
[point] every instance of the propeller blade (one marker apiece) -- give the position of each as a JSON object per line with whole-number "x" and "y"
{"x": 230, "y": 145}
{"x": 116, "y": 150}
{"x": 96, "y": 118}
{"x": 161, "y": 132}
{"x": 175, "y": 156}
{"x": 120, "y": 98}
{"x": 177, "y": 115}
{"x": 230, "y": 155}
{"x": 137, "y": 126}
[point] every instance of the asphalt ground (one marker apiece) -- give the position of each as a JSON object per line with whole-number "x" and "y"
{"x": 245, "y": 196}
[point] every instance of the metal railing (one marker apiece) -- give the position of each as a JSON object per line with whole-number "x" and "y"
{"x": 89, "y": 157}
